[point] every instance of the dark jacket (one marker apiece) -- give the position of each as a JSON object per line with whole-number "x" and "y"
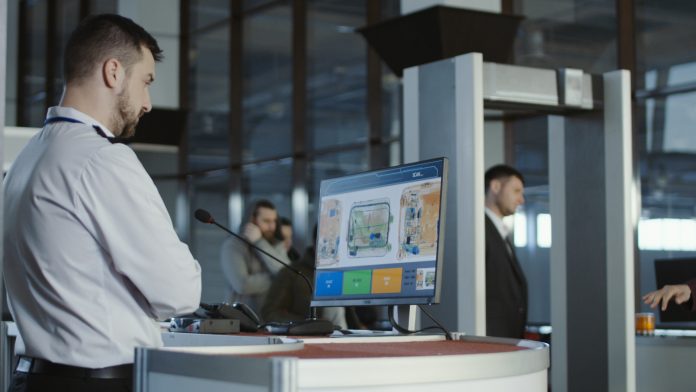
{"x": 289, "y": 296}
{"x": 506, "y": 288}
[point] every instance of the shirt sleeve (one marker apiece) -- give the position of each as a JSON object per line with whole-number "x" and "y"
{"x": 234, "y": 260}
{"x": 692, "y": 301}
{"x": 277, "y": 250}
{"x": 122, "y": 207}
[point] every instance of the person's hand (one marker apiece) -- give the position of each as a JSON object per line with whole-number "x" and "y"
{"x": 252, "y": 232}
{"x": 680, "y": 292}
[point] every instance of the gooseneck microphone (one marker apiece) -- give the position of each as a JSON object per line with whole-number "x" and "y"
{"x": 317, "y": 327}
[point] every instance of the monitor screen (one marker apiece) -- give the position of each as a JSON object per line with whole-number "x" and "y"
{"x": 675, "y": 271}
{"x": 379, "y": 237}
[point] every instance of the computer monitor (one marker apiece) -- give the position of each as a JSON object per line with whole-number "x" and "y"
{"x": 380, "y": 236}
{"x": 675, "y": 271}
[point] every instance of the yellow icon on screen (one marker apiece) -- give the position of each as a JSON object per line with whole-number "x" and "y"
{"x": 386, "y": 280}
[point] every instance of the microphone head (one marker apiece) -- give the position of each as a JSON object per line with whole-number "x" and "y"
{"x": 203, "y": 216}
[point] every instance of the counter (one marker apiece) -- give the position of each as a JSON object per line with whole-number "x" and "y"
{"x": 665, "y": 362}
{"x": 374, "y": 363}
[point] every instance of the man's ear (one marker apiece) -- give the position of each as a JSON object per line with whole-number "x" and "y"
{"x": 113, "y": 73}
{"x": 495, "y": 186}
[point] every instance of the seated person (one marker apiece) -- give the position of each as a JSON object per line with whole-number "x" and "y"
{"x": 286, "y": 234}
{"x": 289, "y": 297}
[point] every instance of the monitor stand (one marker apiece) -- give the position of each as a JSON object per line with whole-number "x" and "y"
{"x": 405, "y": 315}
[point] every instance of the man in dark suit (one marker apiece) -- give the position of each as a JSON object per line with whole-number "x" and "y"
{"x": 506, "y": 285}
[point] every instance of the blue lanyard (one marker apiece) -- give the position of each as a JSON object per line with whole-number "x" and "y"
{"x": 100, "y": 132}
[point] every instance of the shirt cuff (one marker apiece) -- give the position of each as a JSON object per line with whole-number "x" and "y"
{"x": 692, "y": 301}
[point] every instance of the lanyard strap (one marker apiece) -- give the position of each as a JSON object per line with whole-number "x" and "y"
{"x": 100, "y": 132}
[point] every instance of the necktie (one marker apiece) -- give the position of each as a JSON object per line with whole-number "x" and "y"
{"x": 510, "y": 246}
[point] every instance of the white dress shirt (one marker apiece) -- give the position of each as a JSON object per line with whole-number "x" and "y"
{"x": 91, "y": 257}
{"x": 502, "y": 229}
{"x": 498, "y": 223}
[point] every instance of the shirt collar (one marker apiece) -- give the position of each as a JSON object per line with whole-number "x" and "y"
{"x": 64, "y": 111}
{"x": 498, "y": 222}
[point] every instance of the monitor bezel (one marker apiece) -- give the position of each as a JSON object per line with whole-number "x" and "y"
{"x": 439, "y": 262}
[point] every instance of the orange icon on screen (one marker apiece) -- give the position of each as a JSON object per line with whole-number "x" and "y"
{"x": 386, "y": 280}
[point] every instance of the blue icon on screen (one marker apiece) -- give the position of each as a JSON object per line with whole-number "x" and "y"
{"x": 328, "y": 283}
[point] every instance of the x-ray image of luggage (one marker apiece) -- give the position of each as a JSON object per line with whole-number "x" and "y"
{"x": 368, "y": 228}
{"x": 329, "y": 235}
{"x": 419, "y": 211}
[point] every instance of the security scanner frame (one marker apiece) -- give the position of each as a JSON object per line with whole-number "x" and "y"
{"x": 593, "y": 201}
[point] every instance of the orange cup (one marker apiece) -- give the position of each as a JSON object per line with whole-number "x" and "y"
{"x": 645, "y": 323}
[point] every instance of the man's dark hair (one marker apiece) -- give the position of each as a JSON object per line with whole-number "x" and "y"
{"x": 283, "y": 221}
{"x": 101, "y": 37}
{"x": 263, "y": 203}
{"x": 499, "y": 172}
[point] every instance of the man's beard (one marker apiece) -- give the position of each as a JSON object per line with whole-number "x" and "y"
{"x": 124, "y": 120}
{"x": 270, "y": 237}
{"x": 504, "y": 209}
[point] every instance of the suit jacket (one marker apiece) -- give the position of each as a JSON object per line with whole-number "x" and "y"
{"x": 506, "y": 287}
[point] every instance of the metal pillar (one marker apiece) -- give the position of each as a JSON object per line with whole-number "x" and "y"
{"x": 443, "y": 107}
{"x": 583, "y": 235}
{"x": 590, "y": 180}
{"x": 621, "y": 222}
{"x": 558, "y": 271}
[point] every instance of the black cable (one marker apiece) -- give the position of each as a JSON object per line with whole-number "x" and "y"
{"x": 448, "y": 334}
{"x": 405, "y": 331}
{"x": 396, "y": 325}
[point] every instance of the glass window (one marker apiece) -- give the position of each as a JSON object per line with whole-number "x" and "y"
{"x": 269, "y": 180}
{"x": 390, "y": 84}
{"x": 667, "y": 234}
{"x": 210, "y": 193}
{"x": 40, "y": 58}
{"x": 668, "y": 123}
{"x": 520, "y": 228}
{"x": 205, "y": 14}
{"x": 336, "y": 73}
{"x": 569, "y": 33}
{"x": 543, "y": 230}
{"x": 210, "y": 66}
{"x": 11, "y": 63}
{"x": 209, "y": 92}
{"x": 267, "y": 82}
{"x": 33, "y": 70}
{"x": 68, "y": 17}
{"x": 391, "y": 104}
{"x": 679, "y": 119}
{"x": 665, "y": 42}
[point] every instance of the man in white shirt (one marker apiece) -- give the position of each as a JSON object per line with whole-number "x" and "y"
{"x": 506, "y": 285}
{"x": 92, "y": 261}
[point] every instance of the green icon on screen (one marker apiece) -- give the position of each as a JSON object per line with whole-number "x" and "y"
{"x": 357, "y": 282}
